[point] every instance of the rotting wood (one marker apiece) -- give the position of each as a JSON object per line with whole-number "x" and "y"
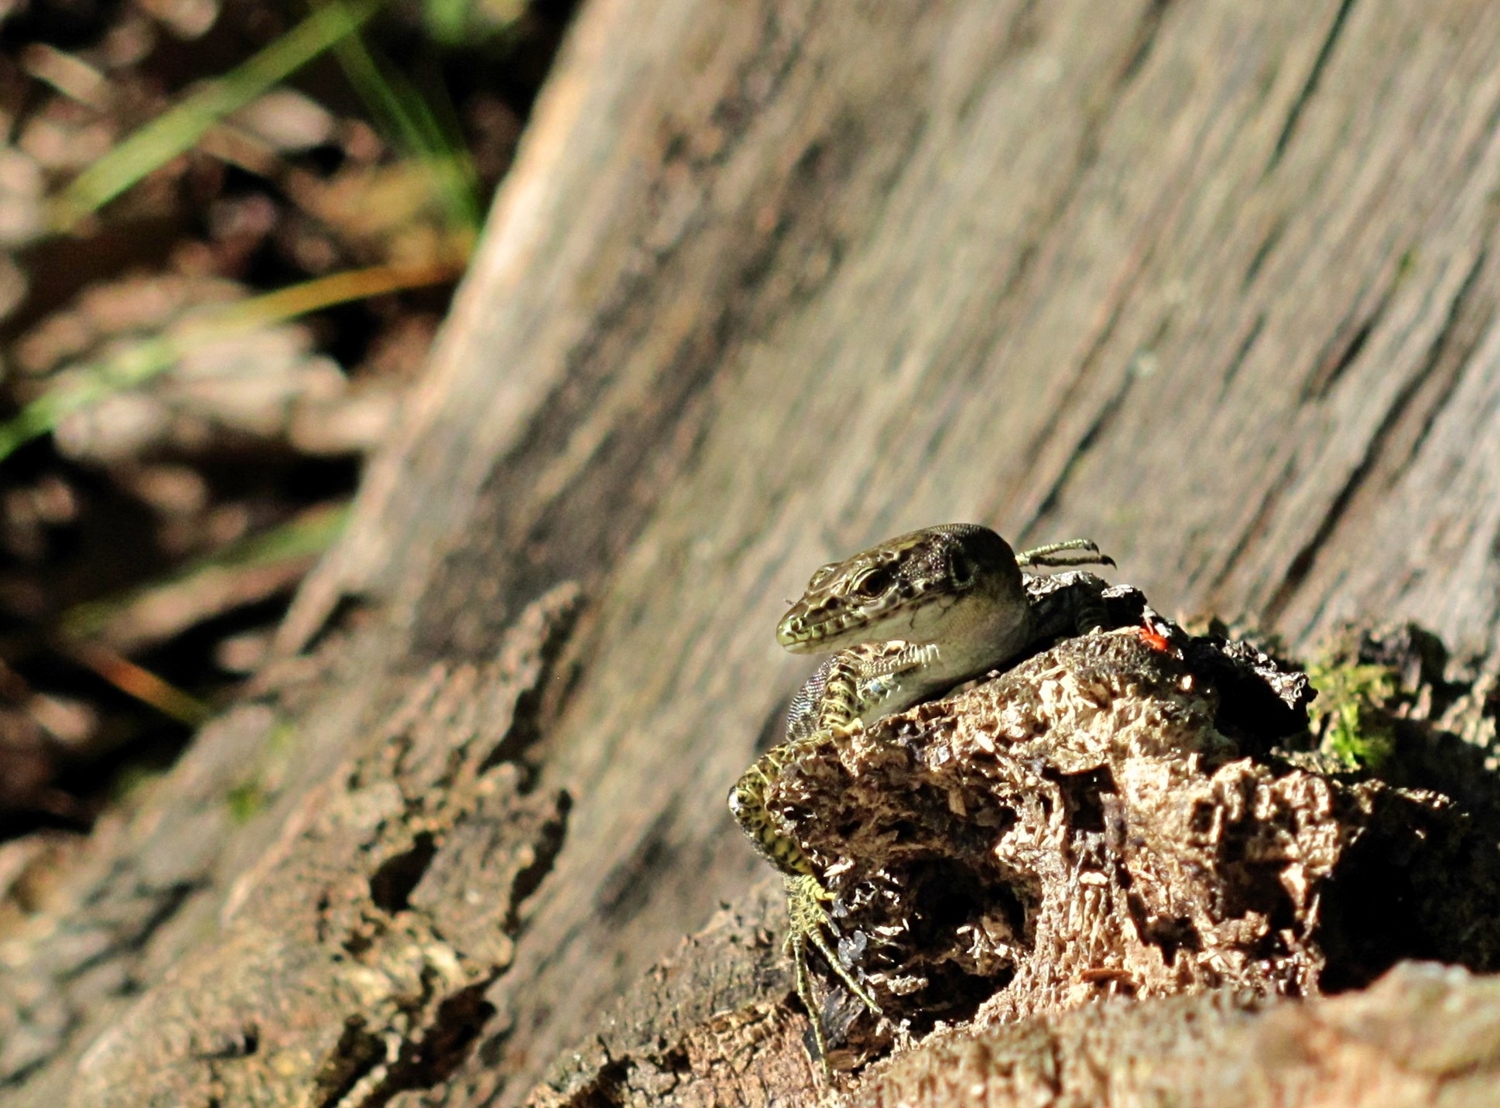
{"x": 1130, "y": 814}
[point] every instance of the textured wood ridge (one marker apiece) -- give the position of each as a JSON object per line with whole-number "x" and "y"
{"x": 1211, "y": 283}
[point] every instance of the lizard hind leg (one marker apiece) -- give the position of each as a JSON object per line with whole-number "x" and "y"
{"x": 805, "y": 896}
{"x": 1074, "y": 552}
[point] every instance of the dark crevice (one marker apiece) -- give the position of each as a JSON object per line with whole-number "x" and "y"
{"x": 773, "y": 729}
{"x": 1056, "y": 412}
{"x": 391, "y": 884}
{"x": 243, "y": 1045}
{"x": 1167, "y": 934}
{"x": 676, "y": 1061}
{"x": 1332, "y": 368}
{"x": 1310, "y": 86}
{"x": 606, "y": 1090}
{"x": 545, "y": 846}
{"x": 952, "y": 997}
{"x": 169, "y": 901}
{"x": 536, "y": 704}
{"x": 1268, "y": 502}
{"x": 626, "y": 889}
{"x": 1369, "y": 886}
{"x": 1084, "y": 794}
{"x": 1087, "y": 152}
{"x": 1231, "y": 371}
{"x": 1145, "y": 39}
{"x": 1349, "y": 339}
{"x": 1299, "y": 567}
{"x": 1262, "y": 252}
{"x": 358, "y": 1052}
{"x": 1469, "y": 317}
{"x": 1101, "y": 422}
{"x": 1256, "y": 888}
{"x": 442, "y": 1048}
{"x": 947, "y": 897}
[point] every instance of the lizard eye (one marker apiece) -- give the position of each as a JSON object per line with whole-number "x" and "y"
{"x": 961, "y": 569}
{"x": 873, "y": 584}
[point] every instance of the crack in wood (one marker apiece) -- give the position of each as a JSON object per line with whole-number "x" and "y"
{"x": 1469, "y": 318}
{"x": 1103, "y": 417}
{"x": 1348, "y": 340}
{"x": 1263, "y": 251}
{"x": 135, "y": 938}
{"x": 1231, "y": 371}
{"x": 1147, "y": 29}
{"x": 626, "y": 889}
{"x": 1379, "y": 440}
{"x": 1310, "y": 86}
{"x": 1254, "y": 529}
{"x": 1035, "y": 449}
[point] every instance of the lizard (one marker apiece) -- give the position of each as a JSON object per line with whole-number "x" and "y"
{"x": 907, "y": 620}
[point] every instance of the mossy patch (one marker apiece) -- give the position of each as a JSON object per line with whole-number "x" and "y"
{"x": 1350, "y": 716}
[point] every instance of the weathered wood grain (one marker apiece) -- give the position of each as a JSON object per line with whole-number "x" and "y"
{"x": 1394, "y": 1046}
{"x": 1211, "y": 283}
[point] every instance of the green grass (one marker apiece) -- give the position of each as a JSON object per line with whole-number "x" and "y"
{"x": 415, "y": 129}
{"x": 93, "y": 381}
{"x": 307, "y": 535}
{"x": 177, "y": 130}
{"x": 410, "y": 124}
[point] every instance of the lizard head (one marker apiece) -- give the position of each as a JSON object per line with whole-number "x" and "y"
{"x": 945, "y": 582}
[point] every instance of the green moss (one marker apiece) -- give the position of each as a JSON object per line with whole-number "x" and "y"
{"x": 257, "y": 793}
{"x": 1350, "y": 715}
{"x": 282, "y": 736}
{"x": 246, "y": 800}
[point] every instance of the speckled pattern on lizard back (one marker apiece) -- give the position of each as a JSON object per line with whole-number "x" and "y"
{"x": 908, "y": 620}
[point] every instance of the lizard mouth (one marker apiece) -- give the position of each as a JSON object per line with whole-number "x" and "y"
{"x": 810, "y": 630}
{"x": 806, "y": 632}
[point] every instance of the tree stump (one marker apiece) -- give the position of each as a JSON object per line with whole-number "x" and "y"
{"x": 1212, "y": 284}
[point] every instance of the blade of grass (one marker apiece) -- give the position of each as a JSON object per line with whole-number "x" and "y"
{"x": 405, "y": 115}
{"x": 155, "y": 355}
{"x": 129, "y": 367}
{"x": 176, "y": 130}
{"x": 324, "y": 292}
{"x": 206, "y": 587}
{"x": 141, "y": 683}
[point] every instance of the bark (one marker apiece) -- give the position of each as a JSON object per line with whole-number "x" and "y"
{"x": 1210, "y": 283}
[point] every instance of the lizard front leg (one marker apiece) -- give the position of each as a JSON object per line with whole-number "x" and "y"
{"x": 747, "y": 802}
{"x": 850, "y": 686}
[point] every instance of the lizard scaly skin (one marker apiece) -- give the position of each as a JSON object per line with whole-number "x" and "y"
{"x": 908, "y": 620}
